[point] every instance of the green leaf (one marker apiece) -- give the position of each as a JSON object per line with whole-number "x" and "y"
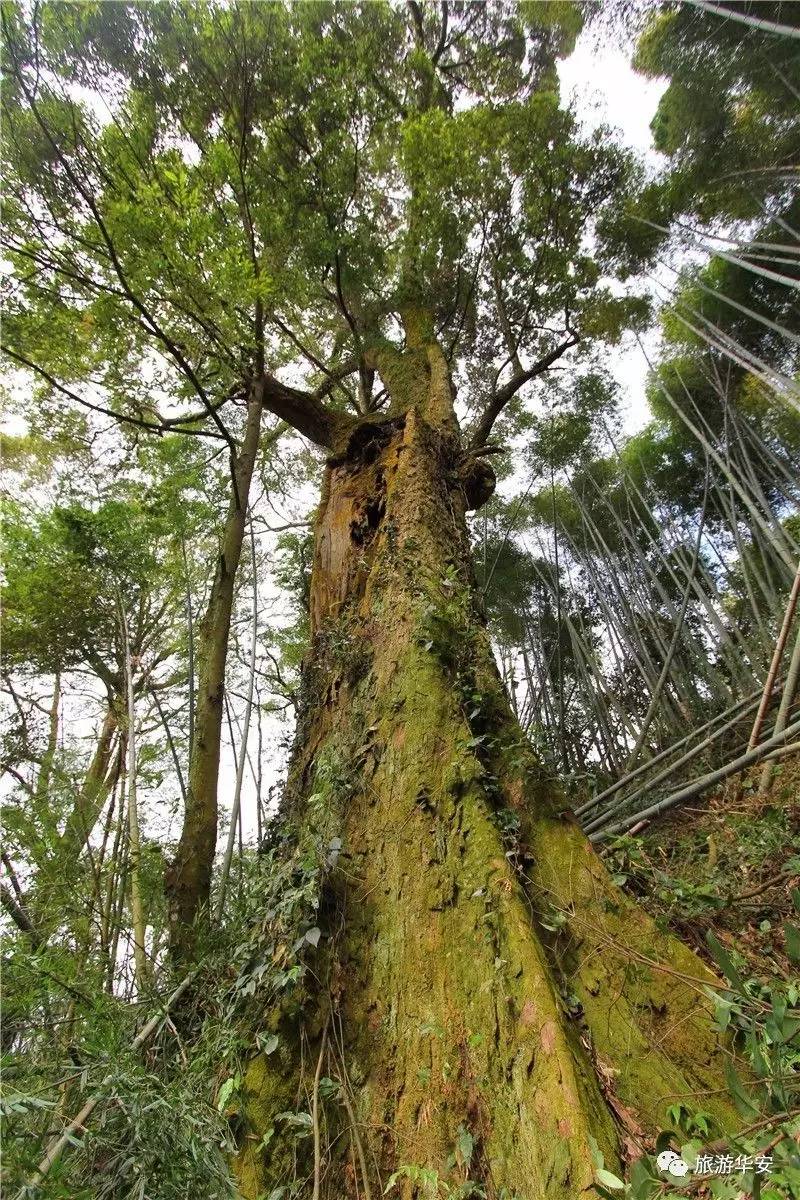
{"x": 792, "y": 935}
{"x": 641, "y": 1178}
{"x": 597, "y": 1154}
{"x": 466, "y": 1144}
{"x": 301, "y": 1122}
{"x": 609, "y": 1179}
{"x": 723, "y": 960}
{"x": 722, "y": 1013}
{"x": 270, "y": 1044}
{"x": 226, "y": 1091}
{"x": 743, "y": 1101}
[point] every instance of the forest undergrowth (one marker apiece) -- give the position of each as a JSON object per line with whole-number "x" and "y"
{"x": 724, "y": 875}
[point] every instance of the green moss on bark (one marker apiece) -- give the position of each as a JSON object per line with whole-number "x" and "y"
{"x": 442, "y": 987}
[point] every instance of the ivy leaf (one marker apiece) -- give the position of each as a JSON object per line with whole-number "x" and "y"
{"x": 664, "y": 1140}
{"x": 226, "y": 1091}
{"x": 313, "y": 936}
{"x": 270, "y": 1044}
{"x": 609, "y": 1179}
{"x": 466, "y": 1144}
{"x": 301, "y": 1122}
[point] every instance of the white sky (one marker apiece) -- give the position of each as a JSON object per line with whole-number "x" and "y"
{"x": 607, "y": 91}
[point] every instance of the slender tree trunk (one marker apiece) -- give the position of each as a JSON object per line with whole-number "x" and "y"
{"x": 189, "y": 643}
{"x": 436, "y": 971}
{"x": 48, "y": 758}
{"x": 242, "y": 758}
{"x": 92, "y": 795}
{"x": 188, "y": 878}
{"x": 134, "y": 841}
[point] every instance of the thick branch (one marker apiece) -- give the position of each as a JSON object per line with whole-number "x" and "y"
{"x": 442, "y": 43}
{"x": 504, "y": 394}
{"x": 305, "y": 412}
{"x": 416, "y": 17}
{"x": 19, "y": 915}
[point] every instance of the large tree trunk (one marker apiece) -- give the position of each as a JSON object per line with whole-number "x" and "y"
{"x": 487, "y": 999}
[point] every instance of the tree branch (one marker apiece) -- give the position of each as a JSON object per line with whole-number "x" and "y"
{"x": 170, "y": 425}
{"x": 442, "y": 44}
{"x": 19, "y": 915}
{"x": 504, "y": 394}
{"x": 416, "y": 17}
{"x": 305, "y": 412}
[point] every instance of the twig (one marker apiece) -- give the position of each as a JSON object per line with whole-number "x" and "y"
{"x": 315, "y": 1116}
{"x": 352, "y": 1119}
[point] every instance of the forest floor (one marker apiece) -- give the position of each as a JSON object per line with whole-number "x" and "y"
{"x": 728, "y": 867}
{"x": 728, "y": 864}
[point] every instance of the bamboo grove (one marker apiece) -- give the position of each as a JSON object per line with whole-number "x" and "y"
{"x": 351, "y": 623}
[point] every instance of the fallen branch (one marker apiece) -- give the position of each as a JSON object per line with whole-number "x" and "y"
{"x": 690, "y": 755}
{"x": 741, "y": 709}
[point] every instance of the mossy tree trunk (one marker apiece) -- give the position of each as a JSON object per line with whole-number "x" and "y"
{"x": 487, "y": 1000}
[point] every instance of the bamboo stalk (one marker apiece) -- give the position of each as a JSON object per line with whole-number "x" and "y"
{"x": 700, "y": 785}
{"x": 77, "y": 1126}
{"x": 780, "y": 646}
{"x": 137, "y": 908}
{"x": 787, "y": 698}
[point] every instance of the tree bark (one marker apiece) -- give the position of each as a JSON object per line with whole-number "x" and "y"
{"x": 90, "y": 799}
{"x": 138, "y": 921}
{"x": 188, "y": 879}
{"x": 442, "y": 970}
{"x": 242, "y": 757}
